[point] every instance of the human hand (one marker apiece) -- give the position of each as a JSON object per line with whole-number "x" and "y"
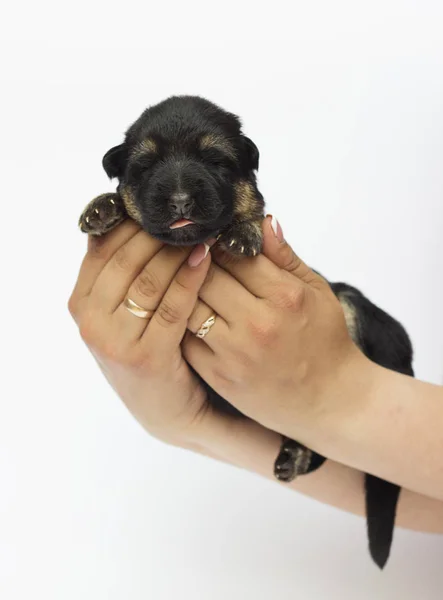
{"x": 277, "y": 368}
{"x": 279, "y": 347}
{"x": 141, "y": 358}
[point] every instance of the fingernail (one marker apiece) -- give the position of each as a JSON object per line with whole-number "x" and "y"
{"x": 278, "y": 232}
{"x": 200, "y": 252}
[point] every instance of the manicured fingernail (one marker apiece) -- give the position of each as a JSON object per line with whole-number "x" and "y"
{"x": 278, "y": 232}
{"x": 200, "y": 252}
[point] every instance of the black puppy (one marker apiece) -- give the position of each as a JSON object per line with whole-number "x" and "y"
{"x": 186, "y": 173}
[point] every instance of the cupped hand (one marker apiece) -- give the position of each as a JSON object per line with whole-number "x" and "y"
{"x": 141, "y": 357}
{"x": 279, "y": 345}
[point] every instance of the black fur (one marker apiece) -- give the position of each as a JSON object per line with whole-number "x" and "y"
{"x": 195, "y": 156}
{"x": 184, "y": 158}
{"x": 385, "y": 341}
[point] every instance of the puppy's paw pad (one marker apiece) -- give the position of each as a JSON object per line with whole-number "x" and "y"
{"x": 103, "y": 213}
{"x": 285, "y": 472}
{"x": 292, "y": 461}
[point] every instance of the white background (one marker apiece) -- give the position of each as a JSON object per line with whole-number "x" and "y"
{"x": 345, "y": 101}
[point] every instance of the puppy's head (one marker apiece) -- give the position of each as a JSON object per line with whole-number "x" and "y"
{"x": 179, "y": 167}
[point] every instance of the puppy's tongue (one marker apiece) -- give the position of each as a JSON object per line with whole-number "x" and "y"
{"x": 181, "y": 223}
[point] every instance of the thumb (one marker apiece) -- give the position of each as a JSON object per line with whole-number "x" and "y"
{"x": 277, "y": 250}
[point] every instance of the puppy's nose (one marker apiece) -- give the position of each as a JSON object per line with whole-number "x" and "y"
{"x": 181, "y": 203}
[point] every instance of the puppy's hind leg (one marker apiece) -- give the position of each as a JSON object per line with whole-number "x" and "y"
{"x": 295, "y": 459}
{"x": 102, "y": 214}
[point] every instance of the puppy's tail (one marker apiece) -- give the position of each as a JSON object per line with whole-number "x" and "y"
{"x": 381, "y": 506}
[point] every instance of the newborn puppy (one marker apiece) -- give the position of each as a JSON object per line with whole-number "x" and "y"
{"x": 186, "y": 173}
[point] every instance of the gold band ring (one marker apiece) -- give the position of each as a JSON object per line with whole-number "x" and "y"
{"x": 205, "y": 327}
{"x": 137, "y": 310}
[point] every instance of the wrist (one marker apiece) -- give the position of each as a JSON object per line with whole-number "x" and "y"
{"x": 353, "y": 400}
{"x": 335, "y": 413}
{"x": 354, "y": 427}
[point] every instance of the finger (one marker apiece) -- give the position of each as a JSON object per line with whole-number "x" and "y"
{"x": 168, "y": 324}
{"x": 257, "y": 275}
{"x": 200, "y": 356}
{"x": 206, "y": 363}
{"x": 112, "y": 284}
{"x": 260, "y": 275}
{"x": 277, "y": 250}
{"x": 147, "y": 290}
{"x": 100, "y": 250}
{"x": 217, "y": 333}
{"x": 226, "y": 295}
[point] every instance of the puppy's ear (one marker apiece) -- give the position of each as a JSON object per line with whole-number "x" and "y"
{"x": 251, "y": 153}
{"x": 114, "y": 161}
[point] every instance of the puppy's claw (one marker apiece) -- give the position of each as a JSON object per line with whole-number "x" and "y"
{"x": 292, "y": 461}
{"x": 112, "y": 201}
{"x": 242, "y": 239}
{"x": 96, "y": 211}
{"x": 87, "y": 219}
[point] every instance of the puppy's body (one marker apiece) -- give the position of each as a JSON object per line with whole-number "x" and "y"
{"x": 186, "y": 173}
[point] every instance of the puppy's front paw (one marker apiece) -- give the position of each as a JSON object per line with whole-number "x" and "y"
{"x": 293, "y": 460}
{"x": 242, "y": 239}
{"x": 102, "y": 214}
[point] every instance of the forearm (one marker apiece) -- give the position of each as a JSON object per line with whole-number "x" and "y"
{"x": 250, "y": 446}
{"x": 386, "y": 424}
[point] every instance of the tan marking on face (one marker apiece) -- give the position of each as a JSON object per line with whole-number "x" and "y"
{"x": 131, "y": 208}
{"x": 147, "y": 146}
{"x": 211, "y": 140}
{"x": 246, "y": 204}
{"x": 350, "y": 317}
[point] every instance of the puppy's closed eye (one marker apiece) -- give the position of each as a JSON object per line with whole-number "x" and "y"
{"x": 140, "y": 165}
{"x": 216, "y": 157}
